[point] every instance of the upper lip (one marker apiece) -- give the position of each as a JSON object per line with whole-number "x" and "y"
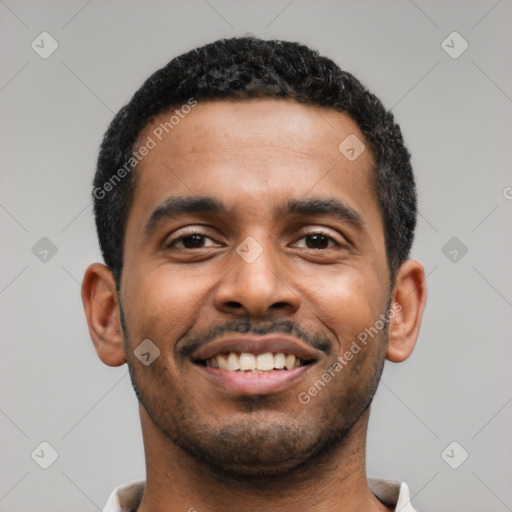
{"x": 275, "y": 343}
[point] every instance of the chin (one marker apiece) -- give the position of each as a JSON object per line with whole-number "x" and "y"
{"x": 261, "y": 453}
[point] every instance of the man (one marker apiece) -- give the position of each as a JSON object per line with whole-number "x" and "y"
{"x": 255, "y": 207}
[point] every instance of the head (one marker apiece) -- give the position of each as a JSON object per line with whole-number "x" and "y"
{"x": 254, "y": 187}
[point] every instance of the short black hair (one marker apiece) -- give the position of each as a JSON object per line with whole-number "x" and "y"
{"x": 243, "y": 68}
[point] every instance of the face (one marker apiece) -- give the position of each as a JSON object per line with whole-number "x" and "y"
{"x": 250, "y": 236}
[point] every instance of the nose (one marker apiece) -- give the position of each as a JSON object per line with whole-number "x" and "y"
{"x": 257, "y": 283}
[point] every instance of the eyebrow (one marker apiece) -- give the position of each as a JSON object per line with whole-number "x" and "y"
{"x": 176, "y": 206}
{"x": 330, "y": 207}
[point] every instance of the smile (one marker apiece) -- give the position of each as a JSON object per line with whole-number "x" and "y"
{"x": 255, "y": 365}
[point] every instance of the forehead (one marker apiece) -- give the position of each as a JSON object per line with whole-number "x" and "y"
{"x": 251, "y": 144}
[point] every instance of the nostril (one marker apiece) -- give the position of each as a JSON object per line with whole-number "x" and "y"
{"x": 234, "y": 305}
{"x": 278, "y": 305}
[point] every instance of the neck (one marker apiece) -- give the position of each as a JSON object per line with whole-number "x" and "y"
{"x": 176, "y": 482}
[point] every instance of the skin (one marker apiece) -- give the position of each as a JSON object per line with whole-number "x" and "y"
{"x": 207, "y": 447}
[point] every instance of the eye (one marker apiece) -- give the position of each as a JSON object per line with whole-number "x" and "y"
{"x": 191, "y": 241}
{"x": 319, "y": 241}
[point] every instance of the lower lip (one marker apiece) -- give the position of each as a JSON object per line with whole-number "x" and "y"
{"x": 255, "y": 383}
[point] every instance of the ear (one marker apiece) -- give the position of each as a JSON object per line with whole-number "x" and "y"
{"x": 408, "y": 302}
{"x": 101, "y": 305}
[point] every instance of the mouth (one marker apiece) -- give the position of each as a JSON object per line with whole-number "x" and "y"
{"x": 255, "y": 365}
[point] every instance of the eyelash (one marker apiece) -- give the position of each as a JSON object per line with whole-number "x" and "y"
{"x": 191, "y": 233}
{"x": 186, "y": 235}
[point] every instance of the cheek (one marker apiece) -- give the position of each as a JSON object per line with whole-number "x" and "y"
{"x": 164, "y": 302}
{"x": 348, "y": 301}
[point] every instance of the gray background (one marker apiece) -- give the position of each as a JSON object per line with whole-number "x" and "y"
{"x": 455, "y": 115}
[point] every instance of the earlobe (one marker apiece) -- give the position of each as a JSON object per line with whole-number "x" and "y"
{"x": 409, "y": 299}
{"x": 101, "y": 306}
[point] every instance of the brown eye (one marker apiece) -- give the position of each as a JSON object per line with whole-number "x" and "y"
{"x": 319, "y": 241}
{"x": 190, "y": 241}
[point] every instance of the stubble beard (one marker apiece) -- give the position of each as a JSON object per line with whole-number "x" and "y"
{"x": 262, "y": 450}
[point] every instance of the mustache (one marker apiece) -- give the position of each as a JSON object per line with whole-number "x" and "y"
{"x": 197, "y": 340}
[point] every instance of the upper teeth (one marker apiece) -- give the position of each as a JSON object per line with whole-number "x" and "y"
{"x": 250, "y": 362}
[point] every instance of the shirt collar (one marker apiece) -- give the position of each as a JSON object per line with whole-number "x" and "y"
{"x": 125, "y": 497}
